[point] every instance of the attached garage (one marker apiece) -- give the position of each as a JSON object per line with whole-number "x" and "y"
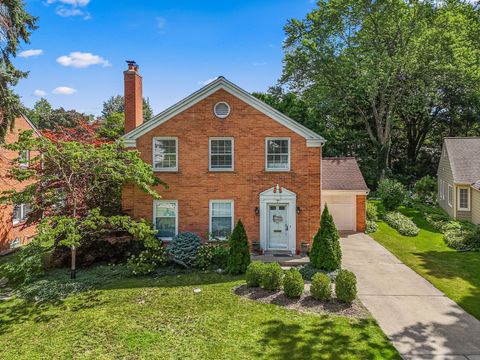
{"x": 344, "y": 191}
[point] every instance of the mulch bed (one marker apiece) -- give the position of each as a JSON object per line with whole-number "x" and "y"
{"x": 306, "y": 303}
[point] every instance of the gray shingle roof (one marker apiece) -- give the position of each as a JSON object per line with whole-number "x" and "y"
{"x": 477, "y": 185}
{"x": 464, "y": 156}
{"x": 342, "y": 173}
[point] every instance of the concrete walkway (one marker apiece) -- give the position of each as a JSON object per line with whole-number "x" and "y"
{"x": 420, "y": 320}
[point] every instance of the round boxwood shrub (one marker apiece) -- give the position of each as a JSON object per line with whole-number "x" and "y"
{"x": 254, "y": 274}
{"x": 321, "y": 288}
{"x": 183, "y": 249}
{"x": 213, "y": 256}
{"x": 293, "y": 283}
{"x": 272, "y": 276}
{"x": 392, "y": 193}
{"x": 346, "y": 286}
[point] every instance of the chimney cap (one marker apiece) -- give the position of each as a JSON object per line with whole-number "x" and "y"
{"x": 131, "y": 62}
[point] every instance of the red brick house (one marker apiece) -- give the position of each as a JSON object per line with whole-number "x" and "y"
{"x": 227, "y": 156}
{"x": 13, "y": 229}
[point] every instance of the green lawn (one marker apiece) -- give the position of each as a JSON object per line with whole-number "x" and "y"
{"x": 457, "y": 274}
{"x": 162, "y": 318}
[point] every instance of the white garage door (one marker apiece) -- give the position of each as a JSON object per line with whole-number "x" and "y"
{"x": 342, "y": 208}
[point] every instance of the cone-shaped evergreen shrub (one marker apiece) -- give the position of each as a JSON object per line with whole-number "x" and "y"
{"x": 239, "y": 256}
{"x": 326, "y": 253}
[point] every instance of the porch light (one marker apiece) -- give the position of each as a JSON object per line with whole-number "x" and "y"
{"x": 298, "y": 210}
{"x": 257, "y": 210}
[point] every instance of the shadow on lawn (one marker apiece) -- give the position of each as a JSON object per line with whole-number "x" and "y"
{"x": 452, "y": 265}
{"x": 324, "y": 339}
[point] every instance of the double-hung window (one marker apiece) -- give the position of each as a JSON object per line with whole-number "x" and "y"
{"x": 20, "y": 212}
{"x": 277, "y": 154}
{"x": 221, "y": 154}
{"x": 165, "y": 154}
{"x": 464, "y": 199}
{"x": 165, "y": 218}
{"x": 450, "y": 195}
{"x": 221, "y": 218}
{"x": 24, "y": 158}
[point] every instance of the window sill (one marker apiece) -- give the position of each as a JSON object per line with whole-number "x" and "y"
{"x": 278, "y": 170}
{"x": 165, "y": 171}
{"x": 221, "y": 170}
{"x": 463, "y": 209}
{"x": 17, "y": 223}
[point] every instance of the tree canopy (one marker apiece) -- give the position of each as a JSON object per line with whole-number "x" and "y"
{"x": 116, "y": 104}
{"x": 379, "y": 70}
{"x": 16, "y": 25}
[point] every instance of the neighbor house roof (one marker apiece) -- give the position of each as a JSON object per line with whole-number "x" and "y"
{"x": 342, "y": 173}
{"x": 476, "y": 185}
{"x": 312, "y": 138}
{"x": 464, "y": 156}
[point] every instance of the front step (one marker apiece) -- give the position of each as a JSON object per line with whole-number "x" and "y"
{"x": 287, "y": 261}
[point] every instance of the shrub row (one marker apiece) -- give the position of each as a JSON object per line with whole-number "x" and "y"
{"x": 401, "y": 223}
{"x": 271, "y": 277}
{"x": 457, "y": 234}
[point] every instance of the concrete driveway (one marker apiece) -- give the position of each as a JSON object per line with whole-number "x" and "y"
{"x": 420, "y": 320}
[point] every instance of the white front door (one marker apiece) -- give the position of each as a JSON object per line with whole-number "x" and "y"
{"x": 278, "y": 226}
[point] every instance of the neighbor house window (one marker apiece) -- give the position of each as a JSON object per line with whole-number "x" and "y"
{"x": 165, "y": 154}
{"x": 24, "y": 158}
{"x": 464, "y": 199}
{"x": 439, "y": 189}
{"x": 221, "y": 154}
{"x": 20, "y": 212}
{"x": 165, "y": 218}
{"x": 221, "y": 218}
{"x": 450, "y": 195}
{"x": 278, "y": 154}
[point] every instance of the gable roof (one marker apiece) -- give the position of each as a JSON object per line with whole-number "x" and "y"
{"x": 342, "y": 173}
{"x": 464, "y": 156}
{"x": 313, "y": 139}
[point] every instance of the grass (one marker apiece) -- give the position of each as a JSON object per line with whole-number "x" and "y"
{"x": 162, "y": 318}
{"x": 457, "y": 274}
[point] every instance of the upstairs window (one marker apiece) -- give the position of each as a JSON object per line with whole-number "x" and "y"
{"x": 278, "y": 154}
{"x": 165, "y": 217}
{"x": 221, "y": 154}
{"x": 464, "y": 199}
{"x": 20, "y": 213}
{"x": 165, "y": 154}
{"x": 24, "y": 158}
{"x": 221, "y": 218}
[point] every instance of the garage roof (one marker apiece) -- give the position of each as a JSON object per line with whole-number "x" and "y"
{"x": 342, "y": 173}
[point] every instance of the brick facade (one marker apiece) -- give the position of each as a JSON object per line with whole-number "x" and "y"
{"x": 193, "y": 185}
{"x": 361, "y": 212}
{"x": 8, "y": 231}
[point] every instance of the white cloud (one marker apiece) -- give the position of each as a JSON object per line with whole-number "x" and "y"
{"x": 64, "y": 90}
{"x": 79, "y": 60}
{"x": 39, "y": 93}
{"x": 206, "y": 82}
{"x": 29, "y": 53}
{"x": 68, "y": 8}
{"x": 67, "y": 12}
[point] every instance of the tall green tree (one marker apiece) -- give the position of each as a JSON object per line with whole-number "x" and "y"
{"x": 390, "y": 66}
{"x": 116, "y": 104}
{"x": 16, "y": 25}
{"x": 46, "y": 118}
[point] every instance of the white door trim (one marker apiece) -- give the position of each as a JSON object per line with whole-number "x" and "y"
{"x": 280, "y": 196}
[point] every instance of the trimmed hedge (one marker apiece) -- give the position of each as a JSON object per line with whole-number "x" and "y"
{"x": 321, "y": 288}
{"x": 254, "y": 274}
{"x": 272, "y": 276}
{"x": 293, "y": 283}
{"x": 401, "y": 223}
{"x": 346, "y": 286}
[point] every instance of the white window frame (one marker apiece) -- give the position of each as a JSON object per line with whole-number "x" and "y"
{"x": 26, "y": 163}
{"x": 210, "y": 154}
{"x": 210, "y": 218}
{"x": 458, "y": 198}
{"x": 289, "y": 154}
{"x": 155, "y": 202}
{"x": 450, "y": 195}
{"x": 23, "y": 213}
{"x": 443, "y": 189}
{"x": 155, "y": 169}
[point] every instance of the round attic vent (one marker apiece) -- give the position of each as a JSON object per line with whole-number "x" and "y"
{"x": 221, "y": 110}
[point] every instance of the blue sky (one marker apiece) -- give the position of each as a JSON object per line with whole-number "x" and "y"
{"x": 77, "y": 56}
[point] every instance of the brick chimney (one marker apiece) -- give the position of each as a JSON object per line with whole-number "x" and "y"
{"x": 133, "y": 97}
